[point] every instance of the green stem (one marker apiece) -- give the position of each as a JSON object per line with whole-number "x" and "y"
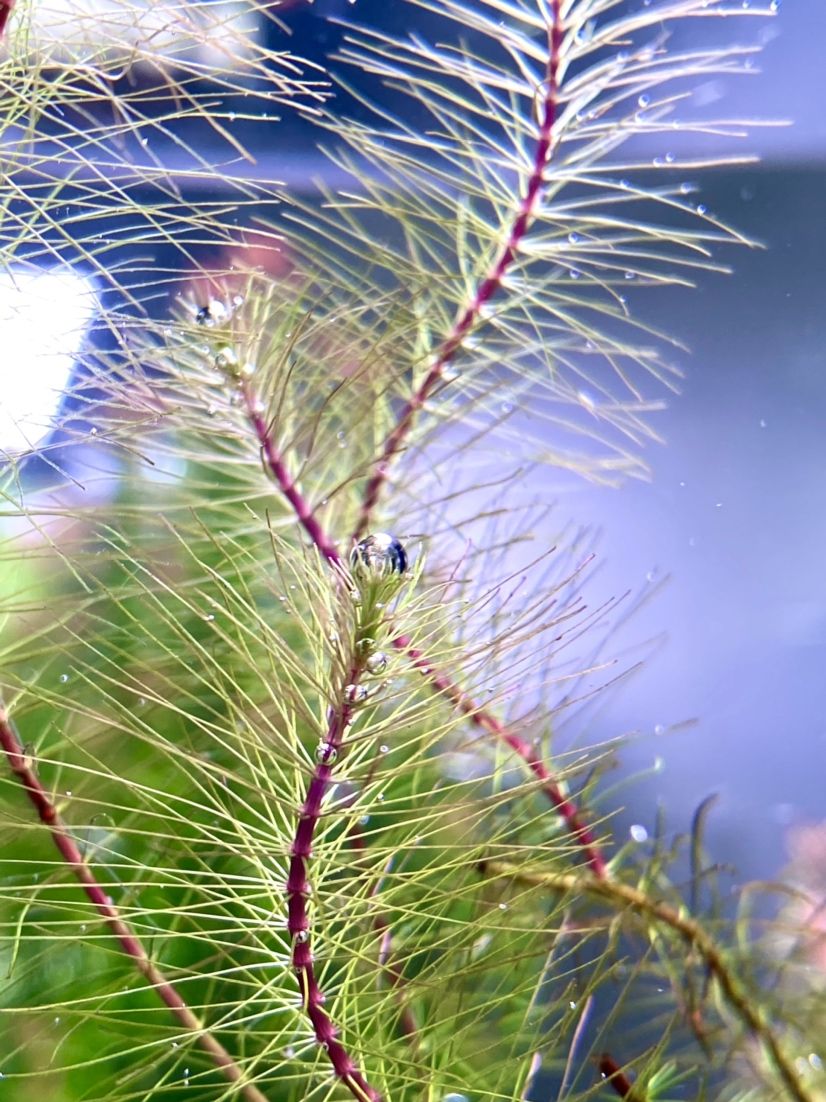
{"x": 731, "y": 988}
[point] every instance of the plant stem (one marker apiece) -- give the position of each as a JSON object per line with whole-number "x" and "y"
{"x": 299, "y": 888}
{"x": 22, "y": 767}
{"x": 733, "y": 992}
{"x": 6, "y": 7}
{"x": 481, "y": 717}
{"x": 485, "y": 290}
{"x": 569, "y": 812}
{"x": 616, "y": 1077}
{"x": 274, "y": 462}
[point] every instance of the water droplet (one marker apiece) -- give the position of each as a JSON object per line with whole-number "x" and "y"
{"x": 384, "y": 748}
{"x": 355, "y": 694}
{"x": 575, "y": 238}
{"x": 670, "y": 158}
{"x": 325, "y": 754}
{"x": 503, "y": 906}
{"x": 702, "y": 208}
{"x": 686, "y": 188}
{"x": 302, "y": 937}
{"x": 450, "y": 374}
{"x": 289, "y": 1052}
{"x": 186, "y": 1077}
{"x": 644, "y": 100}
{"x": 248, "y": 369}
{"x": 64, "y": 677}
{"x": 453, "y": 1097}
{"x": 93, "y": 431}
{"x": 380, "y": 797}
{"x": 815, "y": 1061}
{"x": 763, "y": 422}
{"x": 364, "y": 820}
{"x": 638, "y": 832}
{"x": 225, "y": 357}
{"x": 659, "y": 729}
{"x": 377, "y": 663}
{"x": 630, "y": 275}
{"x": 209, "y": 617}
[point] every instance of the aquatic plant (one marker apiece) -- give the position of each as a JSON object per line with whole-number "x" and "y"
{"x": 297, "y": 799}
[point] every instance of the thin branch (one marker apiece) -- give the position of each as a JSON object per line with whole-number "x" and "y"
{"x": 732, "y": 990}
{"x": 299, "y": 888}
{"x": 486, "y": 289}
{"x": 22, "y": 767}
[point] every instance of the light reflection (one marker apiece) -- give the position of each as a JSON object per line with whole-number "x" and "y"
{"x": 43, "y": 319}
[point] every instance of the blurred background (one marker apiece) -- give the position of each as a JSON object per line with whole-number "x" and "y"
{"x": 735, "y": 512}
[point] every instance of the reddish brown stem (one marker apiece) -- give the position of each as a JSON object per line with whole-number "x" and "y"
{"x": 485, "y": 290}
{"x": 6, "y": 8}
{"x": 616, "y": 1077}
{"x": 22, "y": 767}
{"x": 478, "y": 715}
{"x": 274, "y": 463}
{"x": 299, "y": 888}
{"x": 569, "y": 812}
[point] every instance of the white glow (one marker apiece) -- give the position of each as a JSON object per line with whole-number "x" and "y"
{"x": 43, "y": 318}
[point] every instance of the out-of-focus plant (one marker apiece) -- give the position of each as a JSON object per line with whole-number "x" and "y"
{"x": 292, "y": 807}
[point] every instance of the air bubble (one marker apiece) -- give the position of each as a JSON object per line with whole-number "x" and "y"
{"x": 355, "y": 694}
{"x": 380, "y": 553}
{"x": 225, "y": 357}
{"x": 325, "y": 754}
{"x": 377, "y": 663}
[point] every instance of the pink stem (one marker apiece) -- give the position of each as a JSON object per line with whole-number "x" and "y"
{"x": 569, "y": 812}
{"x": 22, "y": 767}
{"x": 485, "y": 290}
{"x": 299, "y": 888}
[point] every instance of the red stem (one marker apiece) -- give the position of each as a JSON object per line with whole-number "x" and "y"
{"x": 274, "y": 462}
{"x": 49, "y": 816}
{"x": 299, "y": 888}
{"x": 6, "y": 8}
{"x": 485, "y": 290}
{"x": 569, "y": 812}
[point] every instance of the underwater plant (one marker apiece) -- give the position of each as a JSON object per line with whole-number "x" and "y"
{"x": 297, "y": 798}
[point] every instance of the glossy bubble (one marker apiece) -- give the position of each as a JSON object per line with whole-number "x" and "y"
{"x": 380, "y": 553}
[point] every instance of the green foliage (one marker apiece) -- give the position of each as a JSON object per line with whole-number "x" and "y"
{"x": 185, "y": 649}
